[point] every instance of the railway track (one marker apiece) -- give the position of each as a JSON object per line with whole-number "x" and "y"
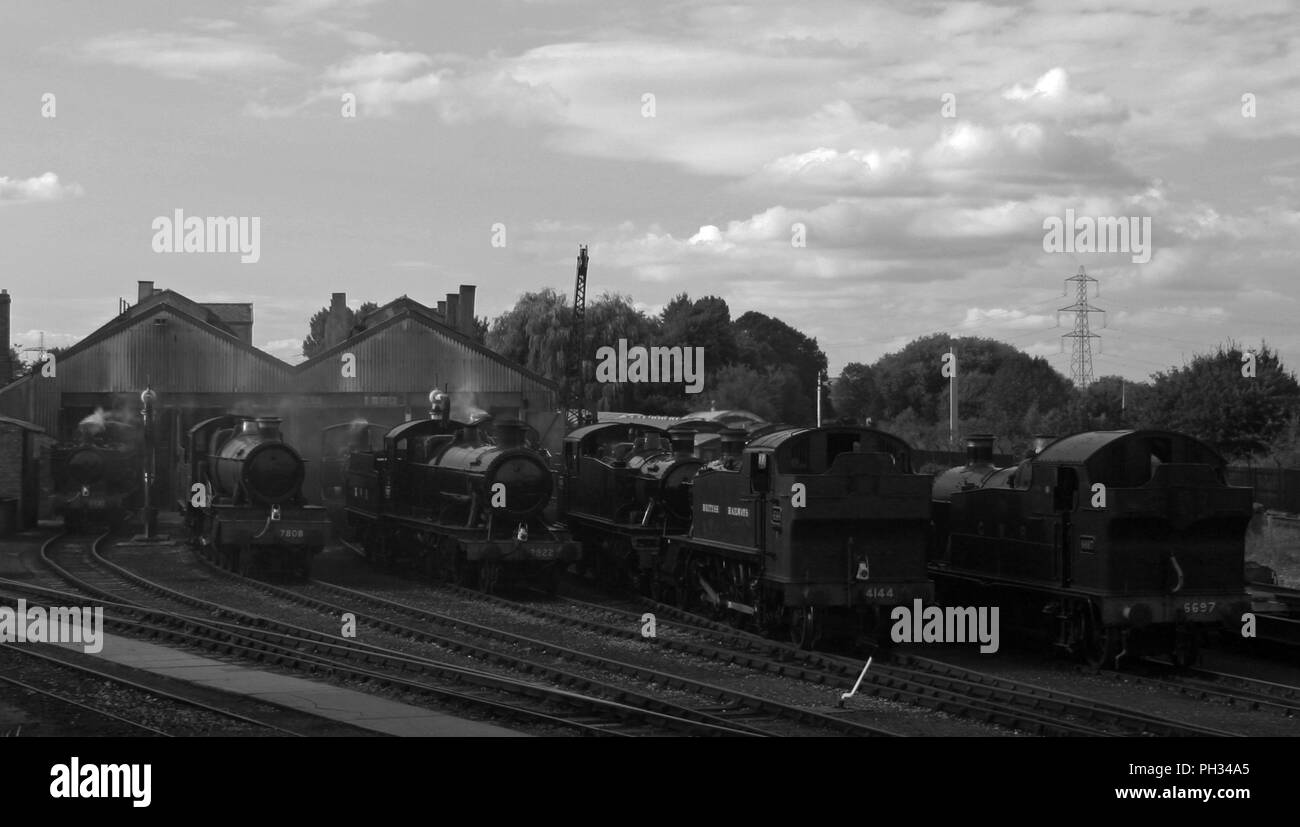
{"x": 756, "y": 714}
{"x": 265, "y": 640}
{"x": 79, "y": 709}
{"x": 1235, "y": 690}
{"x": 910, "y": 679}
{"x": 148, "y": 692}
{"x": 925, "y": 683}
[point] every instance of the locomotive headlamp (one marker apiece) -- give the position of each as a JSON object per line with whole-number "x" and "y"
{"x": 148, "y": 397}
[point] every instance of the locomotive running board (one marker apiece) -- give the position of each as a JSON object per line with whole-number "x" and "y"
{"x": 741, "y": 607}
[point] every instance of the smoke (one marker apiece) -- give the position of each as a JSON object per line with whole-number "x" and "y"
{"x": 465, "y": 407}
{"x": 115, "y": 425}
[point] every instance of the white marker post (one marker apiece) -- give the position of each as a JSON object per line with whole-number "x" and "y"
{"x": 854, "y": 691}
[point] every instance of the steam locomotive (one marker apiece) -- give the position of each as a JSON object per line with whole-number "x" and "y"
{"x": 98, "y": 479}
{"x": 1122, "y": 542}
{"x": 461, "y": 500}
{"x": 810, "y": 532}
{"x": 244, "y": 506}
{"x": 624, "y": 489}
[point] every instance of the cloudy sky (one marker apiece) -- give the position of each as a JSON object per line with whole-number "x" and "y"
{"x": 918, "y": 148}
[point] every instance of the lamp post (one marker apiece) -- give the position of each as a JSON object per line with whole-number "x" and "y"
{"x": 147, "y": 401}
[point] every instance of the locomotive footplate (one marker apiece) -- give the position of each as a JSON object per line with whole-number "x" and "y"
{"x": 564, "y": 551}
{"x": 882, "y": 593}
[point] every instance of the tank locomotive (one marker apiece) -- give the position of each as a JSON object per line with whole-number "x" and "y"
{"x": 1121, "y": 542}
{"x": 459, "y": 500}
{"x": 808, "y": 532}
{"x": 625, "y": 488}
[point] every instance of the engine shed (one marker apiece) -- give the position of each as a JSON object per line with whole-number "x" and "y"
{"x": 200, "y": 359}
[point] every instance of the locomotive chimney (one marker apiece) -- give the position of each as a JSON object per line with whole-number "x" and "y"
{"x": 6, "y": 365}
{"x": 146, "y": 289}
{"x": 268, "y": 427}
{"x": 465, "y": 309}
{"x": 453, "y": 311}
{"x": 979, "y": 449}
{"x": 510, "y": 433}
{"x": 247, "y": 427}
{"x": 733, "y": 442}
{"x": 683, "y": 441}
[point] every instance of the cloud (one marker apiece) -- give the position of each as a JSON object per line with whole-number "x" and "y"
{"x": 45, "y": 187}
{"x": 184, "y": 56}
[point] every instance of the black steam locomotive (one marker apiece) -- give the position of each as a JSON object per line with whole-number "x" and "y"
{"x": 462, "y": 500}
{"x": 98, "y": 479}
{"x": 807, "y": 531}
{"x": 244, "y": 506}
{"x": 95, "y": 484}
{"x": 1122, "y": 542}
{"x": 624, "y": 489}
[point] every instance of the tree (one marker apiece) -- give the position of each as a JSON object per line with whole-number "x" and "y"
{"x": 320, "y": 338}
{"x": 15, "y": 367}
{"x": 854, "y": 393}
{"x": 480, "y": 329}
{"x": 1212, "y": 400}
{"x": 773, "y": 394}
{"x": 764, "y": 341}
{"x": 608, "y": 319}
{"x": 535, "y": 333}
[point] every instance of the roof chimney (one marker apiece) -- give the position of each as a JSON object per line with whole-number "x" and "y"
{"x": 453, "y": 311}
{"x": 442, "y": 309}
{"x": 146, "y": 290}
{"x": 6, "y": 365}
{"x": 466, "y": 309}
{"x": 338, "y": 300}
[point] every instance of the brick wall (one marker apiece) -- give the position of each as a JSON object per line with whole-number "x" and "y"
{"x": 11, "y": 460}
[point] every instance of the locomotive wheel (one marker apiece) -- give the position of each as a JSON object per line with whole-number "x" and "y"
{"x": 489, "y": 575}
{"x": 688, "y": 590}
{"x": 805, "y": 627}
{"x": 1185, "y": 653}
{"x": 1100, "y": 644}
{"x": 464, "y": 573}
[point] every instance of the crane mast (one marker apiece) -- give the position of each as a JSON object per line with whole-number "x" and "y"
{"x": 574, "y": 402}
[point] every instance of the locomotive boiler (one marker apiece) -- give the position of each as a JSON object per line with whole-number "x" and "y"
{"x": 625, "y": 488}
{"x": 1122, "y": 542}
{"x": 245, "y": 507}
{"x": 807, "y": 531}
{"x": 458, "y": 499}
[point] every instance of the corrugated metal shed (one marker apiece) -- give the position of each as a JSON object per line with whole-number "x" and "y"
{"x": 412, "y": 353}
